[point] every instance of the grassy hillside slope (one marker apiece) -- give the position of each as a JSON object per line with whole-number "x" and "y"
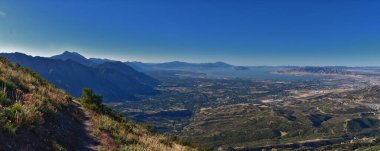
{"x": 35, "y": 115}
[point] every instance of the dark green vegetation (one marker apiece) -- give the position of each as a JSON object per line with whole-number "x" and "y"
{"x": 115, "y": 81}
{"x": 327, "y": 113}
{"x": 35, "y": 115}
{"x": 94, "y": 102}
{"x": 318, "y": 119}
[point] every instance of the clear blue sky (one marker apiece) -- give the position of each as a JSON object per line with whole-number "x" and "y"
{"x": 242, "y": 32}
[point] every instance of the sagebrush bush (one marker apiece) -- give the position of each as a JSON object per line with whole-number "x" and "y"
{"x": 4, "y": 100}
{"x": 19, "y": 115}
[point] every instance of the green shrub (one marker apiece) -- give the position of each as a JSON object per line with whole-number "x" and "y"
{"x": 11, "y": 127}
{"x": 19, "y": 115}
{"x": 4, "y": 101}
{"x": 89, "y": 97}
{"x": 94, "y": 102}
{"x": 57, "y": 147}
{"x": 16, "y": 108}
{"x": 8, "y": 85}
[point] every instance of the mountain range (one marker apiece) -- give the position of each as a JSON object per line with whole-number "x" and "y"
{"x": 183, "y": 66}
{"x": 319, "y": 70}
{"x": 115, "y": 81}
{"x": 140, "y": 66}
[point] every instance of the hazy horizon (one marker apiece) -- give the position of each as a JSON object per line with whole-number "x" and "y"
{"x": 94, "y": 57}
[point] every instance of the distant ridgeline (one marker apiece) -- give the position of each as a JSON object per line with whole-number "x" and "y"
{"x": 318, "y": 70}
{"x": 184, "y": 66}
{"x": 116, "y": 81}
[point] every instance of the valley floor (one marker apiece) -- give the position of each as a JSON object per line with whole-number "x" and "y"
{"x": 249, "y": 114}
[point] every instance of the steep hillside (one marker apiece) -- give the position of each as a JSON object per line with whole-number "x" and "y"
{"x": 35, "y": 115}
{"x": 115, "y": 81}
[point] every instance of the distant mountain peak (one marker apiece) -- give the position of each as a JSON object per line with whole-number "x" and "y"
{"x": 222, "y": 63}
{"x": 74, "y": 56}
{"x": 71, "y": 54}
{"x": 177, "y": 62}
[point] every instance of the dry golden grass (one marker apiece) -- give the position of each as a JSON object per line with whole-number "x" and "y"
{"x": 129, "y": 136}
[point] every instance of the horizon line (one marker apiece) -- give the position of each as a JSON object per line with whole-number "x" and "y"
{"x": 94, "y": 57}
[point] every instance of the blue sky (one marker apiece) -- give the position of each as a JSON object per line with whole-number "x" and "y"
{"x": 242, "y": 32}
